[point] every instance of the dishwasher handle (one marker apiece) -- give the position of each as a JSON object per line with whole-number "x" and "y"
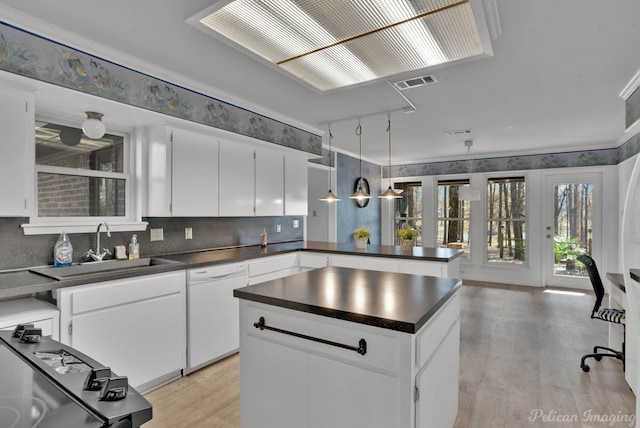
{"x": 217, "y": 273}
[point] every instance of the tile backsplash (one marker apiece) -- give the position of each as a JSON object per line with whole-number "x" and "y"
{"x": 19, "y": 251}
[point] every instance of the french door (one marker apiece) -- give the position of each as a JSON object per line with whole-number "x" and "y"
{"x": 573, "y": 226}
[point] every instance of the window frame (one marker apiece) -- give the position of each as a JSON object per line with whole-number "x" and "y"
{"x": 499, "y": 263}
{"x": 131, "y": 221}
{"x": 396, "y": 220}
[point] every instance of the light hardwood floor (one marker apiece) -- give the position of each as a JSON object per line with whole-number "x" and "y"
{"x": 520, "y": 352}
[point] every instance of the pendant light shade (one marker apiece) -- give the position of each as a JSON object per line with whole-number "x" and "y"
{"x": 93, "y": 126}
{"x": 466, "y": 192}
{"x": 389, "y": 193}
{"x": 360, "y": 193}
{"x": 330, "y": 197}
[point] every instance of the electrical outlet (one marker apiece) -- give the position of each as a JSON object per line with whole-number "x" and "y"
{"x": 188, "y": 233}
{"x": 157, "y": 235}
{"x": 296, "y": 224}
{"x": 278, "y": 228}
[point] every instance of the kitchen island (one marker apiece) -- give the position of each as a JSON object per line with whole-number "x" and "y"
{"x": 349, "y": 347}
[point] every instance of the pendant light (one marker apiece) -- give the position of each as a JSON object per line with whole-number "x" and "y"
{"x": 360, "y": 193}
{"x": 389, "y": 193}
{"x": 466, "y": 192}
{"x": 330, "y": 197}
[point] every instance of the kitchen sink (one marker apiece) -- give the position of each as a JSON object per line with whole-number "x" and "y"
{"x": 95, "y": 268}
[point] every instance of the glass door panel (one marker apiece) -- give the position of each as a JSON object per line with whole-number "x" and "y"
{"x": 572, "y": 228}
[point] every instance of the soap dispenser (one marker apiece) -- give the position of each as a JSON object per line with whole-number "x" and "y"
{"x": 134, "y": 248}
{"x": 63, "y": 251}
{"x": 263, "y": 238}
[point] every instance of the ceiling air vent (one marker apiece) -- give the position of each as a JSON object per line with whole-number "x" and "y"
{"x": 461, "y": 132}
{"x": 414, "y": 82}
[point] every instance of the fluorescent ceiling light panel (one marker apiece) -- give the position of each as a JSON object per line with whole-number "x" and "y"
{"x": 336, "y": 43}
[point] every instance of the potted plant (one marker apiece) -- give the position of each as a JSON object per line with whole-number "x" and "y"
{"x": 406, "y": 236}
{"x": 361, "y": 235}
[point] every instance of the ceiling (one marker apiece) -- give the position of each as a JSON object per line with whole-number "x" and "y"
{"x": 552, "y": 84}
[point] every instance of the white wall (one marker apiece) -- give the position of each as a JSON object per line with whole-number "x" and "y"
{"x": 321, "y": 218}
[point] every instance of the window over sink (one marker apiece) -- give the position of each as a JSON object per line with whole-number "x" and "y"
{"x": 79, "y": 180}
{"x": 77, "y": 176}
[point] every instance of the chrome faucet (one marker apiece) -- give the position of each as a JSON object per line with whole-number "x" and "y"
{"x": 97, "y": 255}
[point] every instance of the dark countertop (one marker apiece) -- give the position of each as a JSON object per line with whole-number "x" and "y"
{"x": 635, "y": 274}
{"x": 389, "y": 300}
{"x": 617, "y": 279}
{"x": 23, "y": 283}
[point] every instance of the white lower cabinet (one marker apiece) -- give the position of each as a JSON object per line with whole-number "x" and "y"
{"x": 273, "y": 267}
{"x": 365, "y": 262}
{"x": 135, "y": 326}
{"x": 308, "y": 260}
{"x": 28, "y": 310}
{"x": 293, "y": 382}
{"x": 389, "y": 264}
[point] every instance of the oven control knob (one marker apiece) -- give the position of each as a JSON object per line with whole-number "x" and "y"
{"x": 96, "y": 378}
{"x": 31, "y": 335}
{"x": 17, "y": 332}
{"x": 114, "y": 388}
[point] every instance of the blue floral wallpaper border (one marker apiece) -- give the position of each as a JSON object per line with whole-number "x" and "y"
{"x": 632, "y": 108}
{"x": 31, "y": 55}
{"x": 517, "y": 163}
{"x": 326, "y": 159}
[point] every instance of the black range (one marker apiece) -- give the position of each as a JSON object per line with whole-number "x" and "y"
{"x": 44, "y": 385}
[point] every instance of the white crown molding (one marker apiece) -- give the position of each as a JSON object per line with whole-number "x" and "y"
{"x": 60, "y": 35}
{"x": 630, "y": 88}
{"x": 493, "y": 19}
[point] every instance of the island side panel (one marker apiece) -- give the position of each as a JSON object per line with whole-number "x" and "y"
{"x": 437, "y": 362}
{"x": 288, "y": 381}
{"x": 291, "y": 382}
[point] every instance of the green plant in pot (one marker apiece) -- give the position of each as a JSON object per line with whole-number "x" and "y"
{"x": 406, "y": 235}
{"x": 361, "y": 235}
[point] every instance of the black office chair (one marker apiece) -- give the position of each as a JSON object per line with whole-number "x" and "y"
{"x": 605, "y": 314}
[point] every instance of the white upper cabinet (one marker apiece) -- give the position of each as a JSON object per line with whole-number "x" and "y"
{"x": 182, "y": 173}
{"x": 192, "y": 174}
{"x": 194, "y": 187}
{"x": 237, "y": 179}
{"x": 295, "y": 185}
{"x": 158, "y": 171}
{"x": 269, "y": 182}
{"x": 17, "y": 151}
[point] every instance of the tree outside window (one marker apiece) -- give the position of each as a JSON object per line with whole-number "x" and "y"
{"x": 506, "y": 224}
{"x": 454, "y": 216}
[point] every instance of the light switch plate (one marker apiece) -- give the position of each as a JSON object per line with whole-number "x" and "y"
{"x": 278, "y": 228}
{"x": 296, "y": 224}
{"x": 188, "y": 233}
{"x": 157, "y": 235}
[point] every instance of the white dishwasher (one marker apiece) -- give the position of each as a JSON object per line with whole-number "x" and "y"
{"x": 213, "y": 313}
